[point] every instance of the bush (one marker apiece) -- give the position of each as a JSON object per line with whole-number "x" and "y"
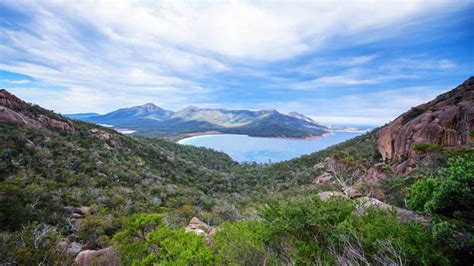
{"x": 146, "y": 240}
{"x": 426, "y": 147}
{"x": 34, "y": 244}
{"x": 241, "y": 243}
{"x": 310, "y": 231}
{"x": 451, "y": 193}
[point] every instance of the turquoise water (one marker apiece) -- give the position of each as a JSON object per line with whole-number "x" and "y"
{"x": 263, "y": 150}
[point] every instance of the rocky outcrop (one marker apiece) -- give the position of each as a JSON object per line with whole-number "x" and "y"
{"x": 64, "y": 125}
{"x": 201, "y": 228}
{"x": 325, "y": 195}
{"x": 447, "y": 120}
{"x": 365, "y": 203}
{"x": 351, "y": 192}
{"x": 9, "y": 116}
{"x": 323, "y": 179}
{"x": 15, "y": 111}
{"x": 106, "y": 257}
{"x": 12, "y": 102}
{"x": 403, "y": 215}
{"x": 375, "y": 174}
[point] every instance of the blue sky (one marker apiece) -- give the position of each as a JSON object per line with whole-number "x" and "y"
{"x": 339, "y": 62}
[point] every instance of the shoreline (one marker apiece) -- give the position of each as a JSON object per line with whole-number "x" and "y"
{"x": 179, "y": 139}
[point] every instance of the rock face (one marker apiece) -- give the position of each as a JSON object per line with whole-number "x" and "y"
{"x": 12, "y": 102}
{"x": 107, "y": 257}
{"x": 323, "y": 179}
{"x": 73, "y": 248}
{"x": 374, "y": 175}
{"x": 11, "y": 117}
{"x": 15, "y": 111}
{"x": 447, "y": 120}
{"x": 201, "y": 228}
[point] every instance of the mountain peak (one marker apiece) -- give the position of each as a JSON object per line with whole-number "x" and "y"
{"x": 301, "y": 116}
{"x": 149, "y": 105}
{"x": 191, "y": 108}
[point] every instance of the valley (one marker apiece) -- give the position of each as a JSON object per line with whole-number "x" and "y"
{"x": 75, "y": 191}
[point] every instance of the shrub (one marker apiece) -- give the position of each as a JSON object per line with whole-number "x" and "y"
{"x": 146, "y": 240}
{"x": 310, "y": 231}
{"x": 449, "y": 193}
{"x": 426, "y": 147}
{"x": 241, "y": 243}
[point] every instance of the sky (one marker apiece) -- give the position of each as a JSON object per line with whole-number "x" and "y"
{"x": 340, "y": 62}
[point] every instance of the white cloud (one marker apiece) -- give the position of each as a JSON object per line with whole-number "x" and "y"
{"x": 352, "y": 120}
{"x": 108, "y": 53}
{"x": 16, "y": 81}
{"x": 363, "y": 108}
{"x": 347, "y": 80}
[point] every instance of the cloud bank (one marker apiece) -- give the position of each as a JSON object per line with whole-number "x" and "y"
{"x": 101, "y": 55}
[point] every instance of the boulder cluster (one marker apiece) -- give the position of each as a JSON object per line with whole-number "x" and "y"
{"x": 83, "y": 255}
{"x": 352, "y": 178}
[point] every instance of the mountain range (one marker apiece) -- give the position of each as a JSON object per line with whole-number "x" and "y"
{"x": 151, "y": 120}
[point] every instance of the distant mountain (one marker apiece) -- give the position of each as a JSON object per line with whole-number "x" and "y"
{"x": 152, "y": 120}
{"x": 81, "y": 115}
{"x": 301, "y": 116}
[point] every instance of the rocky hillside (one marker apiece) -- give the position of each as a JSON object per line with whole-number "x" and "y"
{"x": 152, "y": 120}
{"x": 447, "y": 120}
{"x": 15, "y": 111}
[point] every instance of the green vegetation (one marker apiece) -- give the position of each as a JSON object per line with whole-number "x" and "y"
{"x": 142, "y": 192}
{"x": 426, "y": 147}
{"x": 302, "y": 231}
{"x": 146, "y": 240}
{"x": 449, "y": 193}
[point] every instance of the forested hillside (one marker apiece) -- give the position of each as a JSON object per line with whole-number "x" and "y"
{"x": 71, "y": 190}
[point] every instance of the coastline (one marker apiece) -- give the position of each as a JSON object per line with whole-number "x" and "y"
{"x": 310, "y": 137}
{"x": 181, "y": 137}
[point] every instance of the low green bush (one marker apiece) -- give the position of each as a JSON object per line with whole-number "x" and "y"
{"x": 450, "y": 193}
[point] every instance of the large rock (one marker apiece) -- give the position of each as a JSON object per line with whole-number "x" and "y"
{"x": 403, "y": 215}
{"x": 447, "y": 120}
{"x": 105, "y": 257}
{"x": 9, "y": 116}
{"x": 375, "y": 174}
{"x": 201, "y": 228}
{"x": 323, "y": 179}
{"x": 351, "y": 192}
{"x": 64, "y": 125}
{"x": 73, "y": 248}
{"x": 85, "y": 210}
{"x": 329, "y": 194}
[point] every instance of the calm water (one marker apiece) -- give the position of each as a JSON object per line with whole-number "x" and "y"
{"x": 262, "y": 150}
